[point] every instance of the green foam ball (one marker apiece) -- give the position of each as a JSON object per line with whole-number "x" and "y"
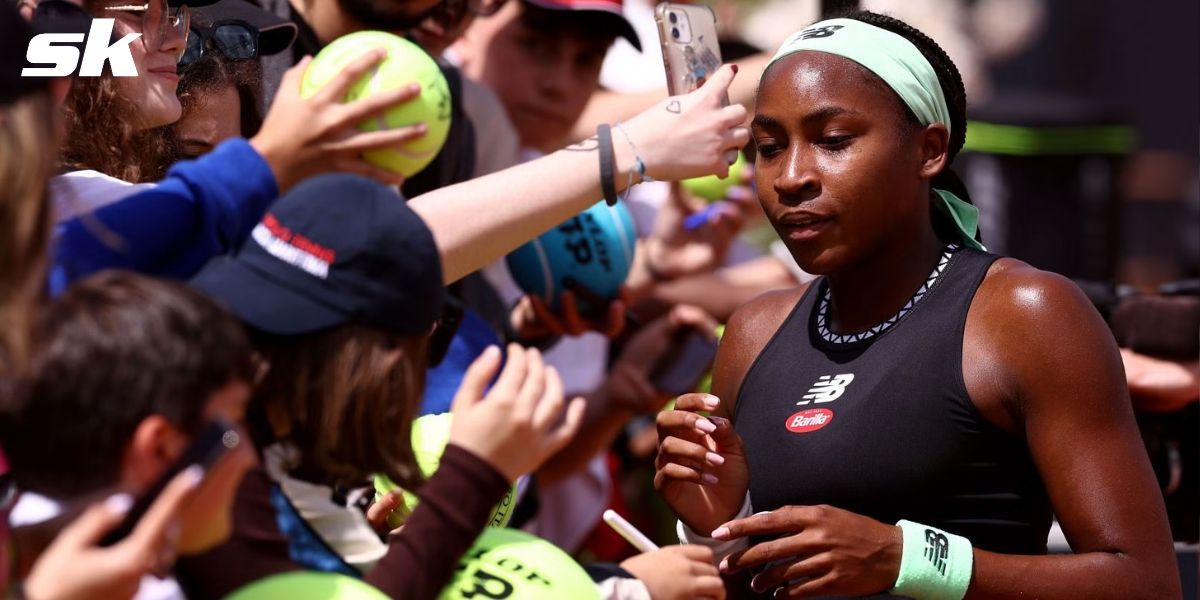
{"x": 508, "y": 563}
{"x": 430, "y": 434}
{"x": 713, "y": 188}
{"x": 308, "y": 585}
{"x": 405, "y": 63}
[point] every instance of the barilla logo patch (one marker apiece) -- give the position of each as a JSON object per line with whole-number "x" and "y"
{"x": 293, "y": 248}
{"x": 47, "y": 49}
{"x": 809, "y": 420}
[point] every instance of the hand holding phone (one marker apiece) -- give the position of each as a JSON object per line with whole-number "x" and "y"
{"x": 690, "y": 47}
{"x": 216, "y": 439}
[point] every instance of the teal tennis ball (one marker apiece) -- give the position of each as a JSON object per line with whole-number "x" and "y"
{"x": 594, "y": 248}
{"x": 713, "y": 188}
{"x": 405, "y": 63}
{"x": 430, "y": 434}
{"x": 508, "y": 563}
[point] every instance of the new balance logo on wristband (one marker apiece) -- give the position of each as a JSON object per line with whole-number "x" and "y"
{"x": 937, "y": 549}
{"x": 827, "y": 389}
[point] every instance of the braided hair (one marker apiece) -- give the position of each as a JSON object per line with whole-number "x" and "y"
{"x": 947, "y": 74}
{"x": 955, "y": 93}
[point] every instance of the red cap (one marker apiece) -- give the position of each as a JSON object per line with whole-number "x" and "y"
{"x": 613, "y": 7}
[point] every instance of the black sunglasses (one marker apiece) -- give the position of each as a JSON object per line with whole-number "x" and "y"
{"x": 237, "y": 40}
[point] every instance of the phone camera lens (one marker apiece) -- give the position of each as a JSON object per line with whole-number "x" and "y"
{"x": 675, "y": 32}
{"x": 674, "y": 19}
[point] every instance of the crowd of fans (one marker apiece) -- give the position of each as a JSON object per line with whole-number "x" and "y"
{"x": 145, "y": 300}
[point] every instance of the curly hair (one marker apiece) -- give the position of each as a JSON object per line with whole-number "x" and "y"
{"x": 101, "y": 134}
{"x": 213, "y": 71}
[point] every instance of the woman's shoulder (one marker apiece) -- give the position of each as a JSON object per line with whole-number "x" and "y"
{"x": 762, "y": 316}
{"x": 1019, "y": 293}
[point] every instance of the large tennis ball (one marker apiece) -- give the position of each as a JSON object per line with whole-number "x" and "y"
{"x": 713, "y": 188}
{"x": 594, "y": 248}
{"x": 308, "y": 585}
{"x": 507, "y": 563}
{"x": 430, "y": 434}
{"x": 405, "y": 63}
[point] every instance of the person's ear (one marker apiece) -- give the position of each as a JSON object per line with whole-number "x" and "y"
{"x": 934, "y": 147}
{"x": 154, "y": 446}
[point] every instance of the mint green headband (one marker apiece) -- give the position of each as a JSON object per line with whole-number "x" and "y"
{"x": 900, "y": 65}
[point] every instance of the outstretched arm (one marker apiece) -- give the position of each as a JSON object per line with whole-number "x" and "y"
{"x": 478, "y": 221}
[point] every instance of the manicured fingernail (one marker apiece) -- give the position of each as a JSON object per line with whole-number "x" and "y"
{"x": 714, "y": 459}
{"x": 734, "y": 67}
{"x": 708, "y": 478}
{"x": 724, "y": 566}
{"x": 705, "y": 426}
{"x": 711, "y": 402}
{"x": 491, "y": 351}
{"x": 721, "y": 532}
{"x": 119, "y": 503}
{"x": 193, "y": 475}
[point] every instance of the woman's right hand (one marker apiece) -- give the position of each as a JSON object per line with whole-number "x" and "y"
{"x": 519, "y": 423}
{"x": 700, "y": 471}
{"x": 686, "y": 136}
{"x": 302, "y": 137}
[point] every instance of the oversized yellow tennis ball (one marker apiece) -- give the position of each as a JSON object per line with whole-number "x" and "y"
{"x": 507, "y": 563}
{"x": 405, "y": 63}
{"x": 430, "y": 434}
{"x": 713, "y": 188}
{"x": 308, "y": 585}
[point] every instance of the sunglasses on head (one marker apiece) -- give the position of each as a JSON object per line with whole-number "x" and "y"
{"x": 158, "y": 20}
{"x": 236, "y": 40}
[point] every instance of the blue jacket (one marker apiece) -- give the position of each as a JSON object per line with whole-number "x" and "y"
{"x": 204, "y": 208}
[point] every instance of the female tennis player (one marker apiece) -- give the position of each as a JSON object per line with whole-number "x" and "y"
{"x": 907, "y": 423}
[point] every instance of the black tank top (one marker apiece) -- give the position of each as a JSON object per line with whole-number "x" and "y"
{"x": 880, "y": 423}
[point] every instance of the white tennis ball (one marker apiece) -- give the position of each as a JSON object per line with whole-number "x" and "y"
{"x": 405, "y": 63}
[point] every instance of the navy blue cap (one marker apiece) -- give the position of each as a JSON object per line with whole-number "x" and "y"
{"x": 336, "y": 249}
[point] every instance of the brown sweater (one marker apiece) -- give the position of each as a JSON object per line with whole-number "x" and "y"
{"x": 455, "y": 506}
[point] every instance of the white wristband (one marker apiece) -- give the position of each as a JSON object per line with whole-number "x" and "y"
{"x": 720, "y": 548}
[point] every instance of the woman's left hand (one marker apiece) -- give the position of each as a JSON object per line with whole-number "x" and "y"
{"x": 823, "y": 551}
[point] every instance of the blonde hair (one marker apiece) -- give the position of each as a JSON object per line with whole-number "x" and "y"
{"x": 27, "y": 135}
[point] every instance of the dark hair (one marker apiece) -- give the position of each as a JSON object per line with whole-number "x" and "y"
{"x": 114, "y": 349}
{"x": 950, "y": 80}
{"x": 213, "y": 72}
{"x": 347, "y": 401}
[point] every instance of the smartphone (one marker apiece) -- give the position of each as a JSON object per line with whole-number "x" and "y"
{"x": 690, "y": 356}
{"x": 217, "y": 438}
{"x": 690, "y": 49}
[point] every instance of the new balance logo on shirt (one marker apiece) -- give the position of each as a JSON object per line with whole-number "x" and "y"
{"x": 827, "y": 389}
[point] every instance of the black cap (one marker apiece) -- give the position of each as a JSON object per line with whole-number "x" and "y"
{"x": 276, "y": 33}
{"x": 15, "y": 33}
{"x": 51, "y": 16}
{"x": 336, "y": 249}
